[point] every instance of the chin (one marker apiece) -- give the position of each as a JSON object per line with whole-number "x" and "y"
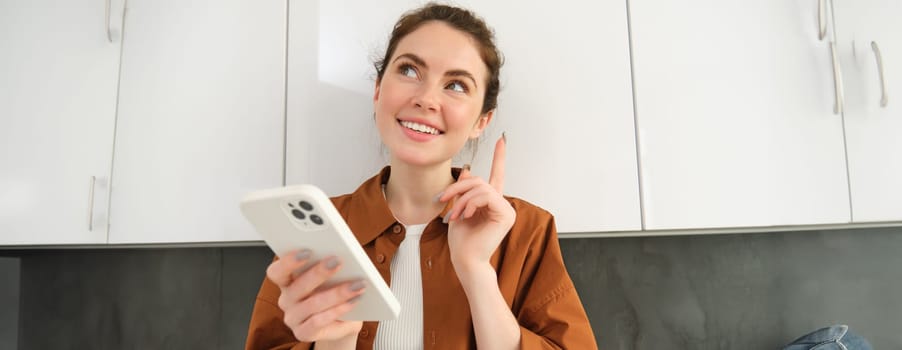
{"x": 418, "y": 158}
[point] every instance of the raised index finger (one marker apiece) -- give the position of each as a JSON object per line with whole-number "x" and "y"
{"x": 496, "y": 178}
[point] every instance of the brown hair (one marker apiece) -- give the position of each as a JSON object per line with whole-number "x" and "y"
{"x": 462, "y": 20}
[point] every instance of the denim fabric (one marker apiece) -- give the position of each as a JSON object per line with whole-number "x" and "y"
{"x": 836, "y": 337}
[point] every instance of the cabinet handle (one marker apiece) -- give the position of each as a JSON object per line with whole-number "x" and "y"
{"x": 883, "y": 96}
{"x": 112, "y": 33}
{"x": 821, "y": 19}
{"x": 91, "y": 204}
{"x": 109, "y": 35}
{"x": 837, "y": 81}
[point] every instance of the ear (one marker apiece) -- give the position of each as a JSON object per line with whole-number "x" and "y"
{"x": 376, "y": 90}
{"x": 481, "y": 123}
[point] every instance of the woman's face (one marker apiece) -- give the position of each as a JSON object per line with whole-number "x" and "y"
{"x": 429, "y": 99}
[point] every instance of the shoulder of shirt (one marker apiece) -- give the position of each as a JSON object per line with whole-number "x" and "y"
{"x": 526, "y": 207}
{"x": 531, "y": 219}
{"x": 341, "y": 201}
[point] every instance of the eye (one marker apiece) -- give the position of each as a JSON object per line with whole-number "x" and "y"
{"x": 457, "y": 86}
{"x": 407, "y": 71}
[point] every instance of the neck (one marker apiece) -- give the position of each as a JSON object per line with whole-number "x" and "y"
{"x": 411, "y": 190}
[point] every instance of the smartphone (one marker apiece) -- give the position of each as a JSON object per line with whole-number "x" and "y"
{"x": 302, "y": 217}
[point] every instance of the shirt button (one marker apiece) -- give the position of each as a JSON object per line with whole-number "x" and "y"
{"x": 380, "y": 258}
{"x": 364, "y": 333}
{"x": 396, "y": 229}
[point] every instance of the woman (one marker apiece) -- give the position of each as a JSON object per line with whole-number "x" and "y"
{"x": 470, "y": 267}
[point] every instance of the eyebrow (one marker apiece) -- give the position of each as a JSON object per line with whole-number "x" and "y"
{"x": 454, "y": 72}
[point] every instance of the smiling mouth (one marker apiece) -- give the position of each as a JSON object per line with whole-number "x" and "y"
{"x": 420, "y": 128}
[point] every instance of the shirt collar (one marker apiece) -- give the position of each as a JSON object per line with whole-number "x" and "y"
{"x": 368, "y": 214}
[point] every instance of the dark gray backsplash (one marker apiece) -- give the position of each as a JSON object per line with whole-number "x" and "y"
{"x": 747, "y": 291}
{"x": 9, "y": 303}
{"x": 743, "y": 291}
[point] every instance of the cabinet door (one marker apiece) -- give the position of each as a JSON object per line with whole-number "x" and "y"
{"x": 735, "y": 115}
{"x": 59, "y": 69}
{"x": 565, "y": 104}
{"x": 873, "y": 112}
{"x": 201, "y": 115}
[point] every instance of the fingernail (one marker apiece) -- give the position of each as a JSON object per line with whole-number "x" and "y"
{"x": 302, "y": 255}
{"x": 466, "y": 167}
{"x": 445, "y": 219}
{"x": 354, "y": 299}
{"x": 331, "y": 263}
{"x": 356, "y": 286}
{"x": 438, "y": 197}
{"x": 504, "y": 136}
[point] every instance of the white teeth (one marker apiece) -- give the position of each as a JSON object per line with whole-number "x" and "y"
{"x": 419, "y": 127}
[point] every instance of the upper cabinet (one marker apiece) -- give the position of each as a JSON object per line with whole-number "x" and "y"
{"x": 565, "y": 104}
{"x": 736, "y": 114}
{"x": 149, "y": 124}
{"x": 200, "y": 119}
{"x": 870, "y": 47}
{"x": 59, "y": 63}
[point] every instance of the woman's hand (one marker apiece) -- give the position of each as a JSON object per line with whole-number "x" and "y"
{"x": 312, "y": 310}
{"x": 480, "y": 217}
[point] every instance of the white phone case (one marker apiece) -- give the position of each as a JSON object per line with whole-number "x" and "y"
{"x": 303, "y": 217}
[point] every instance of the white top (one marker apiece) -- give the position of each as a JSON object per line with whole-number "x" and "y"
{"x": 405, "y": 332}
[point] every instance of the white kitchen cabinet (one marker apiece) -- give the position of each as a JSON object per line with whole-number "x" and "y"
{"x": 200, "y": 118}
{"x": 59, "y": 63}
{"x": 873, "y": 112}
{"x": 565, "y": 103}
{"x": 735, "y": 115}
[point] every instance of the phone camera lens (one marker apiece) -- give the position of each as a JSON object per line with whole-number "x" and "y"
{"x": 298, "y": 214}
{"x": 306, "y": 206}
{"x": 316, "y": 219}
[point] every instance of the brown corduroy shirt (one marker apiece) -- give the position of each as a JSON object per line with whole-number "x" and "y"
{"x": 531, "y": 276}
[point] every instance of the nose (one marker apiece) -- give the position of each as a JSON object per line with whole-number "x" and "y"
{"x": 425, "y": 98}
